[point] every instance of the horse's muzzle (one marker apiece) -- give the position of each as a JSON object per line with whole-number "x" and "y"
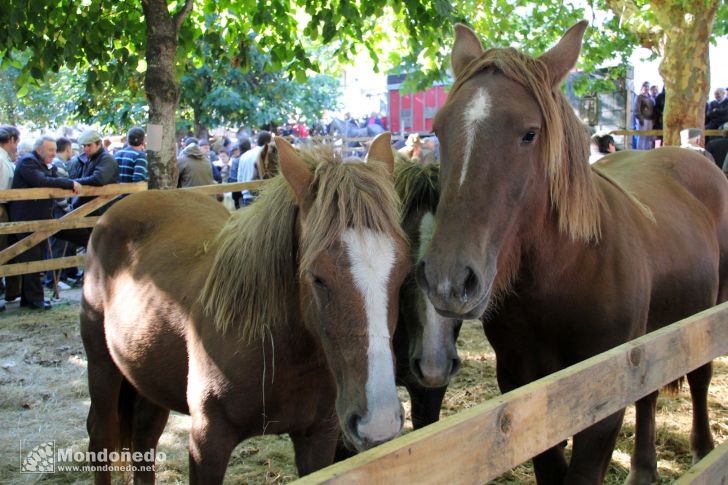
{"x": 372, "y": 429}
{"x": 457, "y": 293}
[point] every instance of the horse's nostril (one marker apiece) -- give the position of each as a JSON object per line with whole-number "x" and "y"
{"x": 416, "y": 369}
{"x": 353, "y": 424}
{"x": 470, "y": 285}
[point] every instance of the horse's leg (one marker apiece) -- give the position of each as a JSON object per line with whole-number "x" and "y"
{"x": 643, "y": 466}
{"x": 592, "y": 451}
{"x": 212, "y": 440}
{"x": 425, "y": 403}
{"x": 103, "y": 419}
{"x": 701, "y": 439}
{"x": 315, "y": 447}
{"x": 343, "y": 452}
{"x": 149, "y": 422}
{"x": 105, "y": 390}
{"x": 550, "y": 466}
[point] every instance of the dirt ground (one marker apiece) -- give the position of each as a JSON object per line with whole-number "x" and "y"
{"x": 43, "y": 397}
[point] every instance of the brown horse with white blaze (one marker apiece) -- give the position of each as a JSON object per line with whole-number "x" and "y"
{"x": 561, "y": 260}
{"x": 276, "y": 319}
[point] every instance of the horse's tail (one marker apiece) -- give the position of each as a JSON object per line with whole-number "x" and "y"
{"x": 673, "y": 388}
{"x": 125, "y": 408}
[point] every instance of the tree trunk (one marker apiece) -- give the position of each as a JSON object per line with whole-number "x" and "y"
{"x": 201, "y": 131}
{"x": 162, "y": 88}
{"x": 685, "y": 66}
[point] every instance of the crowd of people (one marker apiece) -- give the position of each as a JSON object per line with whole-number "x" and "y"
{"x": 89, "y": 161}
{"x": 648, "y": 109}
{"x": 52, "y": 162}
{"x": 649, "y": 106}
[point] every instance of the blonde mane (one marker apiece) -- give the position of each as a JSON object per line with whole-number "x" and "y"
{"x": 256, "y": 266}
{"x": 417, "y": 185}
{"x": 349, "y": 194}
{"x": 565, "y": 141}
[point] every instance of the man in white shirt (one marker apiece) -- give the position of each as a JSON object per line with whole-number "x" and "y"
{"x": 248, "y": 163}
{"x": 9, "y": 139}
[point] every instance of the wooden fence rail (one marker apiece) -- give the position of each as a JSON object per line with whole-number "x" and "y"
{"x": 43, "y": 229}
{"x": 481, "y": 443}
{"x": 659, "y": 132}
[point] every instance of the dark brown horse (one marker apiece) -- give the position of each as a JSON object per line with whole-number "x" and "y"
{"x": 562, "y": 261}
{"x": 276, "y": 319}
{"x": 425, "y": 370}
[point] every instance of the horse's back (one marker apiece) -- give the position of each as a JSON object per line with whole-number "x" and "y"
{"x": 673, "y": 181}
{"x": 687, "y": 242}
{"x": 156, "y": 228}
{"x": 147, "y": 261}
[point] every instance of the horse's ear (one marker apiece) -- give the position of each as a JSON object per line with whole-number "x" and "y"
{"x": 296, "y": 173}
{"x": 264, "y": 152}
{"x": 466, "y": 48}
{"x": 561, "y": 58}
{"x": 381, "y": 149}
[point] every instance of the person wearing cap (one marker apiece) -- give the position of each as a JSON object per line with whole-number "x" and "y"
{"x": 212, "y": 157}
{"x": 36, "y": 169}
{"x": 210, "y": 154}
{"x": 132, "y": 159}
{"x": 95, "y": 166}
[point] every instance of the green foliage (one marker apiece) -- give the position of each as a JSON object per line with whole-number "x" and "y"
{"x": 217, "y": 93}
{"x": 62, "y": 98}
{"x": 102, "y": 37}
{"x": 524, "y": 25}
{"x": 720, "y": 27}
{"x": 39, "y": 104}
{"x": 105, "y": 41}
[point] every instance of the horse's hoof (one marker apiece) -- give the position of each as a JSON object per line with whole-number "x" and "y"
{"x": 641, "y": 477}
{"x": 699, "y": 455}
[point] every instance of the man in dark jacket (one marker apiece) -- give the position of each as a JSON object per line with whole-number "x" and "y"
{"x": 717, "y": 111}
{"x": 95, "y": 166}
{"x": 35, "y": 169}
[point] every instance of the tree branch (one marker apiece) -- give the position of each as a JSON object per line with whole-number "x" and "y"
{"x": 630, "y": 18}
{"x": 180, "y": 16}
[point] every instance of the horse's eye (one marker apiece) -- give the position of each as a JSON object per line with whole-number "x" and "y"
{"x": 528, "y": 137}
{"x": 318, "y": 283}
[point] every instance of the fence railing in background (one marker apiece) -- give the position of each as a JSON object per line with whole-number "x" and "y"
{"x": 659, "y": 132}
{"x": 78, "y": 218}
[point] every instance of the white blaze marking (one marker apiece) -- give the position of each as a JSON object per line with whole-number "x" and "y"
{"x": 432, "y": 330}
{"x": 432, "y": 334}
{"x": 427, "y": 228}
{"x": 372, "y": 257}
{"x": 477, "y": 111}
